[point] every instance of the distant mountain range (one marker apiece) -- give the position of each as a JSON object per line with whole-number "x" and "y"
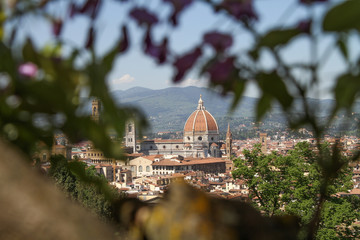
{"x": 168, "y": 109}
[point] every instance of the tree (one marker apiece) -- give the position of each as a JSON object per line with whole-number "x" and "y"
{"x": 290, "y": 184}
{"x": 84, "y": 185}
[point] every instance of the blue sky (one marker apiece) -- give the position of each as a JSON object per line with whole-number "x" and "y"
{"x": 135, "y": 69}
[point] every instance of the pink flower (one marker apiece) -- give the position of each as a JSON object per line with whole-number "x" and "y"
{"x": 28, "y": 69}
{"x": 143, "y": 16}
{"x": 178, "y": 6}
{"x": 218, "y": 41}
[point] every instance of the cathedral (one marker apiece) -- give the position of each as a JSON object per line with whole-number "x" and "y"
{"x": 200, "y": 138}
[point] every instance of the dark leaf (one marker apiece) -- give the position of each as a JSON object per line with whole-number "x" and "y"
{"x": 263, "y": 106}
{"x": 29, "y": 53}
{"x": 346, "y": 89}
{"x": 273, "y": 85}
{"x": 278, "y": 37}
{"x": 342, "y": 44}
{"x": 343, "y": 17}
{"x": 238, "y": 89}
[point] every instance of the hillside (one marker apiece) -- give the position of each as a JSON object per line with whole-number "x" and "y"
{"x": 168, "y": 109}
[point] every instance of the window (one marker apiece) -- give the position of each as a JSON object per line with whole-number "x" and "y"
{"x": 129, "y": 128}
{"x": 94, "y": 111}
{"x": 140, "y": 168}
{"x": 177, "y": 146}
{"x": 212, "y": 139}
{"x": 147, "y": 168}
{"x": 199, "y": 138}
{"x": 164, "y": 147}
{"x": 151, "y": 147}
{"x": 44, "y": 157}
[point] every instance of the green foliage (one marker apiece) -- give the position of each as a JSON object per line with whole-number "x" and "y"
{"x": 290, "y": 184}
{"x": 85, "y": 186}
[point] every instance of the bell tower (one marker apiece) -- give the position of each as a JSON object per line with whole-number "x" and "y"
{"x": 96, "y": 110}
{"x": 228, "y": 142}
{"x": 130, "y": 135}
{"x": 263, "y": 141}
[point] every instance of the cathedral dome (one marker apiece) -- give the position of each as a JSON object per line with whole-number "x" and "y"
{"x": 201, "y": 120}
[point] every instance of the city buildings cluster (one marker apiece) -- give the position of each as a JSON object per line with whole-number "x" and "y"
{"x": 200, "y": 158}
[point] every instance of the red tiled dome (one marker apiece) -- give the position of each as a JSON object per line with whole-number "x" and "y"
{"x": 200, "y": 120}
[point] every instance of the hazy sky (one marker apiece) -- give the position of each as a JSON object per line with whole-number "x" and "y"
{"x": 135, "y": 69}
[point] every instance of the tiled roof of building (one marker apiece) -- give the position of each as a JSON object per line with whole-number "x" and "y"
{"x": 188, "y": 161}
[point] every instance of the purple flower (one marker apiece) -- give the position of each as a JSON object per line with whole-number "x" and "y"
{"x": 178, "y": 6}
{"x": 304, "y": 26}
{"x": 156, "y": 51}
{"x": 124, "y": 42}
{"x": 220, "y": 71}
{"x": 218, "y": 41}
{"x": 311, "y": 1}
{"x": 241, "y": 10}
{"x": 57, "y": 27}
{"x": 90, "y": 38}
{"x": 28, "y": 69}
{"x": 90, "y": 7}
{"x": 185, "y": 62}
{"x": 143, "y": 16}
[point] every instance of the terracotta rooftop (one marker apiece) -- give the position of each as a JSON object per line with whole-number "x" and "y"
{"x": 200, "y": 120}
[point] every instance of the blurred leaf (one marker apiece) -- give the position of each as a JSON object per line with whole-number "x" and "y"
{"x": 342, "y": 44}
{"x": 278, "y": 37}
{"x": 264, "y": 104}
{"x": 2, "y": 20}
{"x": 238, "y": 89}
{"x": 273, "y": 85}
{"x": 343, "y": 17}
{"x": 29, "y": 52}
{"x": 346, "y": 89}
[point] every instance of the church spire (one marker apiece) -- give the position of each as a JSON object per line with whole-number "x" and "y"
{"x": 201, "y": 104}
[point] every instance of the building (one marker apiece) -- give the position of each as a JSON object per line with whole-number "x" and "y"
{"x": 168, "y": 165}
{"x": 200, "y": 138}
